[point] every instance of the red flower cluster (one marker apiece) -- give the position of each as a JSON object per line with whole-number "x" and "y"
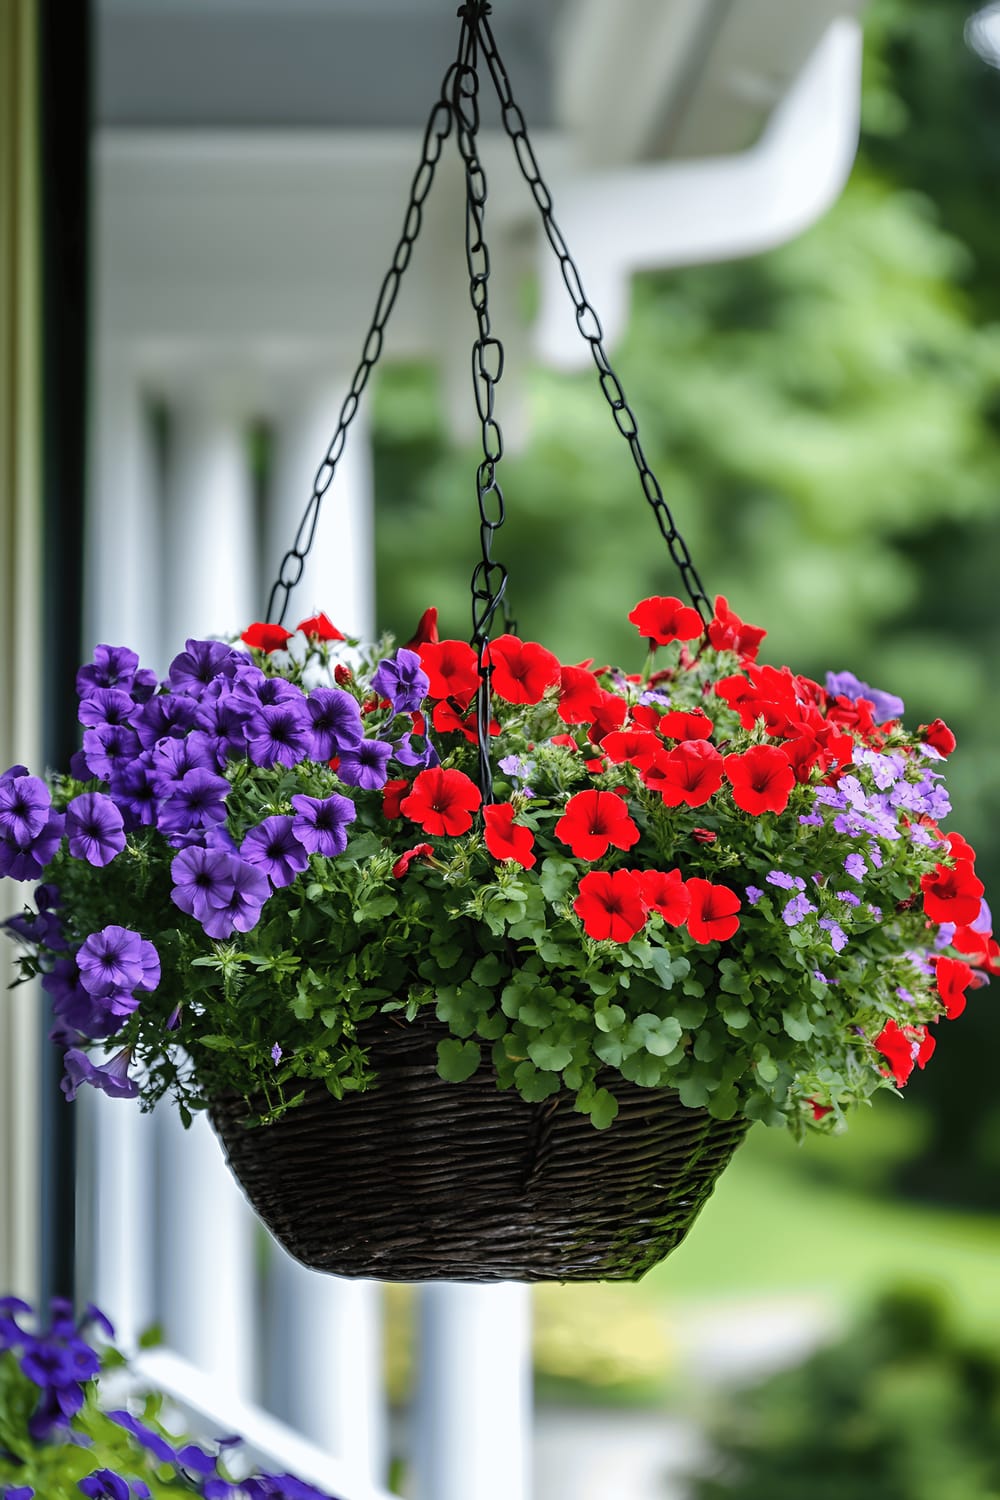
{"x": 506, "y": 839}
{"x": 661, "y": 621}
{"x": 617, "y": 905}
{"x": 442, "y": 801}
{"x": 904, "y": 1048}
{"x": 264, "y": 637}
{"x": 593, "y": 821}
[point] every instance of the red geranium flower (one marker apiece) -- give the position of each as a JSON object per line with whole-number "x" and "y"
{"x": 266, "y": 637}
{"x": 677, "y": 725}
{"x": 714, "y": 908}
{"x": 403, "y": 863}
{"x": 662, "y": 620}
{"x": 522, "y": 670}
{"x": 506, "y": 839}
{"x": 610, "y": 715}
{"x": 442, "y": 801}
{"x": 665, "y": 891}
{"x": 953, "y": 978}
{"x": 610, "y": 905}
{"x": 426, "y": 632}
{"x": 593, "y": 821}
{"x": 952, "y": 893}
{"x": 979, "y": 947}
{"x": 452, "y": 670}
{"x": 960, "y": 848}
{"x": 938, "y": 736}
{"x": 392, "y": 796}
{"x": 903, "y": 1048}
{"x": 320, "y": 628}
{"x": 727, "y": 632}
{"x": 690, "y": 773}
{"x": 579, "y": 695}
{"x": 447, "y": 721}
{"x": 761, "y": 779}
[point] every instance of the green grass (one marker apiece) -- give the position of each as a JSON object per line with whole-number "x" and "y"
{"x": 781, "y": 1221}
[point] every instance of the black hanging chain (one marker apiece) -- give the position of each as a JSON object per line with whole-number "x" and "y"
{"x": 588, "y": 322}
{"x": 437, "y": 132}
{"x": 489, "y": 578}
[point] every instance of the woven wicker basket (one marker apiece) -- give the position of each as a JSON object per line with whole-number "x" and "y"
{"x": 419, "y": 1180}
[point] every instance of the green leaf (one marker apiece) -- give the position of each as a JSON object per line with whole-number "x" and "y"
{"x": 533, "y": 1085}
{"x": 217, "y": 1043}
{"x": 551, "y": 1057}
{"x": 557, "y": 878}
{"x": 797, "y": 1023}
{"x": 735, "y": 1016}
{"x": 487, "y": 970}
{"x": 457, "y": 1060}
{"x": 658, "y": 1037}
{"x": 609, "y": 1018}
{"x": 604, "y": 1109}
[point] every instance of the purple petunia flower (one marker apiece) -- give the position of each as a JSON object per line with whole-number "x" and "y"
{"x": 78, "y": 1011}
{"x": 95, "y": 828}
{"x": 222, "y": 717}
{"x": 237, "y": 906}
{"x": 149, "y": 1438}
{"x": 168, "y": 715}
{"x": 198, "y": 801}
{"x": 793, "y": 912}
{"x": 134, "y": 793}
{"x": 112, "y": 667}
{"x": 197, "y": 874}
{"x": 784, "y": 881}
{"x": 28, "y": 861}
{"x": 200, "y": 663}
{"x": 172, "y": 759}
{"x": 109, "y": 748}
{"x": 280, "y": 734}
{"x": 274, "y": 848}
{"x": 846, "y": 685}
{"x": 320, "y": 825}
{"x": 407, "y": 755}
{"x": 365, "y": 765}
{"x": 25, "y": 805}
{"x": 110, "y": 960}
{"x": 754, "y": 894}
{"x": 336, "y": 722}
{"x": 402, "y": 680}
{"x": 110, "y": 1077}
{"x": 106, "y": 706}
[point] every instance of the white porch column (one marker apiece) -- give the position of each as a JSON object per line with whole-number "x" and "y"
{"x": 339, "y": 575}
{"x": 473, "y": 1437}
{"x": 324, "y": 1367}
{"x": 124, "y": 571}
{"x": 209, "y": 553}
{"x": 205, "y": 1256}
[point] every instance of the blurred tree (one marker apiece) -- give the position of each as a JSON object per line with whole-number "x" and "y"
{"x": 824, "y": 421}
{"x": 903, "y": 1409}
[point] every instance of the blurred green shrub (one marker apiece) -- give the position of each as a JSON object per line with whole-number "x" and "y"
{"x": 902, "y": 1409}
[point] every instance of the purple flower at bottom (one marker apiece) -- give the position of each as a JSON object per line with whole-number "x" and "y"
{"x": 784, "y": 881}
{"x": 197, "y": 801}
{"x": 274, "y": 848}
{"x": 280, "y": 734}
{"x": 110, "y": 1077}
{"x": 365, "y": 765}
{"x": 95, "y": 828}
{"x": 109, "y": 748}
{"x": 103, "y": 1484}
{"x": 72, "y": 1005}
{"x": 320, "y": 825}
{"x": 408, "y": 755}
{"x": 753, "y": 894}
{"x": 19, "y": 1492}
{"x": 238, "y": 908}
{"x": 134, "y": 792}
{"x": 336, "y": 722}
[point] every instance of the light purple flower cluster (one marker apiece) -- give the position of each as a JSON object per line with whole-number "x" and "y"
{"x": 885, "y": 706}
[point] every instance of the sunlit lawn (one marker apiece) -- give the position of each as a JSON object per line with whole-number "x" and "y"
{"x": 808, "y": 1223}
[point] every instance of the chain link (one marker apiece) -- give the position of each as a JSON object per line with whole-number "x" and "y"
{"x": 489, "y": 578}
{"x": 437, "y": 131}
{"x": 589, "y": 323}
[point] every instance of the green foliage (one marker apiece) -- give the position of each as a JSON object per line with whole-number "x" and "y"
{"x": 903, "y": 1409}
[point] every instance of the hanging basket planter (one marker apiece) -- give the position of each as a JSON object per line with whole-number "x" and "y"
{"x": 483, "y": 963}
{"x": 420, "y": 1179}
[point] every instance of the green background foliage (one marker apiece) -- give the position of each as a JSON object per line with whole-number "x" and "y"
{"x": 824, "y": 422}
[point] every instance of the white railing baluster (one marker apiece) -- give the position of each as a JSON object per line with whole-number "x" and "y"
{"x": 323, "y": 1370}
{"x": 473, "y": 1408}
